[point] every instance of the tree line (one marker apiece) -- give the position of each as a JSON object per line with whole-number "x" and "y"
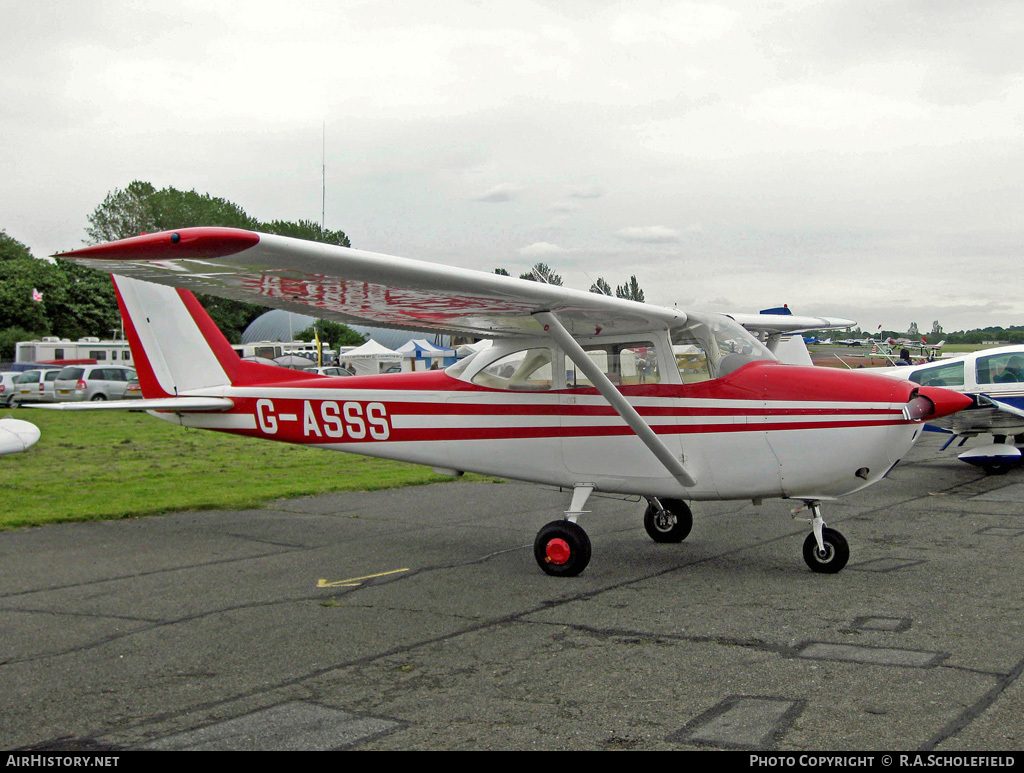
{"x": 40, "y": 297}
{"x": 60, "y": 298}
{"x": 542, "y": 272}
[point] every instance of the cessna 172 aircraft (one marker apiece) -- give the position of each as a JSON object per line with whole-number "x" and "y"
{"x": 994, "y": 380}
{"x": 579, "y": 390}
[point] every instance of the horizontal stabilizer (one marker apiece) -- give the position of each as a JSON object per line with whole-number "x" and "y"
{"x": 17, "y": 436}
{"x": 174, "y": 404}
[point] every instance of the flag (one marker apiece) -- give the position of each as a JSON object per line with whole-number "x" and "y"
{"x": 36, "y": 295}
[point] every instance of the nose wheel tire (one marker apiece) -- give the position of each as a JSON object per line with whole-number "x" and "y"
{"x": 672, "y": 524}
{"x": 833, "y": 558}
{"x": 562, "y": 549}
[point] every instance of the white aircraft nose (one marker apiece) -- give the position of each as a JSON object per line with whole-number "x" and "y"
{"x": 17, "y": 435}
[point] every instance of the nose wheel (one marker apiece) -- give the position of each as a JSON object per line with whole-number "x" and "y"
{"x": 826, "y": 551}
{"x": 833, "y": 555}
{"x": 667, "y": 520}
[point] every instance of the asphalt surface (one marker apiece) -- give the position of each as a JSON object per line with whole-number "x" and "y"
{"x": 417, "y": 619}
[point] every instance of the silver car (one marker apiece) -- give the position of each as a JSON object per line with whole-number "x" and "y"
{"x": 34, "y": 386}
{"x": 92, "y": 382}
{"x": 7, "y": 387}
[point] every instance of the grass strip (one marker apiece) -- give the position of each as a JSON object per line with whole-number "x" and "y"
{"x": 101, "y": 465}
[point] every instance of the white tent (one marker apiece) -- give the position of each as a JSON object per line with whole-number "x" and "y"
{"x": 370, "y": 358}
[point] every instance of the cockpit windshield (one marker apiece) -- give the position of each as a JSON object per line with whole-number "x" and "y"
{"x": 710, "y": 346}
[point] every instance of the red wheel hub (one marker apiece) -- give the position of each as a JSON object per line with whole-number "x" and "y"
{"x": 557, "y": 551}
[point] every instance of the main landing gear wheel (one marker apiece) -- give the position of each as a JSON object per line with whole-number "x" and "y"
{"x": 997, "y": 468}
{"x": 562, "y": 549}
{"x": 672, "y": 523}
{"x": 833, "y": 558}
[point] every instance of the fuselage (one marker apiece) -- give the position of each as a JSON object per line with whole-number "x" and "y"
{"x": 764, "y": 430}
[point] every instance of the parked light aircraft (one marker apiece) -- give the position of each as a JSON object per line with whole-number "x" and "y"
{"x": 578, "y": 390}
{"x": 994, "y": 380}
{"x": 17, "y": 436}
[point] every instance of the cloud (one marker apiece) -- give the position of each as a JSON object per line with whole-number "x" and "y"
{"x": 564, "y": 206}
{"x": 586, "y": 192}
{"x": 541, "y": 250}
{"x": 499, "y": 194}
{"x": 651, "y": 234}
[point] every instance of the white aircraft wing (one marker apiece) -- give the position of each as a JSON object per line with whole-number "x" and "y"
{"x": 1002, "y": 405}
{"x": 355, "y": 286}
{"x": 789, "y": 323}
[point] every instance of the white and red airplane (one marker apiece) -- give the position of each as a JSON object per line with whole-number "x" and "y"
{"x": 578, "y": 390}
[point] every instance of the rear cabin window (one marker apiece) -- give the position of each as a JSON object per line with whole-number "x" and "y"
{"x": 69, "y": 374}
{"x": 528, "y": 370}
{"x": 950, "y": 374}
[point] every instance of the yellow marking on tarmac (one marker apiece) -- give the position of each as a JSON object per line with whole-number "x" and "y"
{"x": 354, "y": 582}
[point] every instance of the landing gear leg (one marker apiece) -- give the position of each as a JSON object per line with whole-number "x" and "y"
{"x": 825, "y": 550}
{"x": 562, "y": 548}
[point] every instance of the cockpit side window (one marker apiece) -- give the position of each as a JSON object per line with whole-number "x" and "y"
{"x": 1000, "y": 368}
{"x": 712, "y": 346}
{"x": 625, "y": 364}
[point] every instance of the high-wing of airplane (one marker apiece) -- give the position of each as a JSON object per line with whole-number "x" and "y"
{"x": 778, "y": 328}
{"x": 994, "y": 380}
{"x": 578, "y": 390}
{"x": 17, "y": 436}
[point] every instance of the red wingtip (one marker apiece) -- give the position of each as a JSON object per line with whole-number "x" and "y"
{"x": 201, "y": 242}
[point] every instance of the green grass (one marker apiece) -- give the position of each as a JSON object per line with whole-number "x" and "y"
{"x": 96, "y": 465}
{"x": 964, "y": 348}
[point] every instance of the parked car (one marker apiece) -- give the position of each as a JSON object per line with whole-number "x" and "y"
{"x": 92, "y": 382}
{"x": 133, "y": 391}
{"x": 7, "y": 387}
{"x": 34, "y": 386}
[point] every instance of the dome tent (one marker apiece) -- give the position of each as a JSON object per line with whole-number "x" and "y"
{"x": 281, "y": 325}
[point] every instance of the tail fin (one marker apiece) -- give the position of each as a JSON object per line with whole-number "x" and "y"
{"x": 177, "y": 348}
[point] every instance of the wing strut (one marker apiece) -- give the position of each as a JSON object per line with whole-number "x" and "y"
{"x": 614, "y": 397}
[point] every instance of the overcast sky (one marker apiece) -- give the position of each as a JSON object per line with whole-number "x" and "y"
{"x": 862, "y": 159}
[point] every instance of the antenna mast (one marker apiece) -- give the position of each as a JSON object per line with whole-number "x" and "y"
{"x": 323, "y": 177}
